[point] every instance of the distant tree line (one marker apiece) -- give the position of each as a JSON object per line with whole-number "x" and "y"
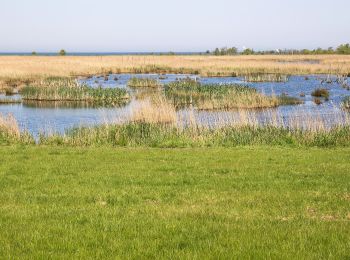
{"x": 341, "y": 49}
{"x": 61, "y": 53}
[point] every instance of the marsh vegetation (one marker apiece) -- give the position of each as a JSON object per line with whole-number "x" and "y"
{"x": 66, "y": 89}
{"x": 321, "y": 93}
{"x": 346, "y": 102}
{"x": 19, "y": 70}
{"x": 10, "y": 132}
{"x": 170, "y": 202}
{"x": 155, "y": 123}
{"x": 143, "y": 83}
{"x": 257, "y": 77}
{"x": 221, "y": 96}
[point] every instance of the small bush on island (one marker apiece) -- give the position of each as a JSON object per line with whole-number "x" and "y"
{"x": 62, "y": 52}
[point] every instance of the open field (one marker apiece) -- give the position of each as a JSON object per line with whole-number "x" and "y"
{"x": 258, "y": 202}
{"x": 17, "y": 70}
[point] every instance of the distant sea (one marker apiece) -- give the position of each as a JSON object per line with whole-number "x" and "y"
{"x": 98, "y": 53}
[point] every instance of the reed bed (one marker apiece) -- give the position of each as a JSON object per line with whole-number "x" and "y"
{"x": 10, "y": 132}
{"x": 154, "y": 110}
{"x": 159, "y": 135}
{"x": 135, "y": 82}
{"x": 346, "y": 103}
{"x": 244, "y": 127}
{"x": 266, "y": 78}
{"x": 321, "y": 92}
{"x": 6, "y": 100}
{"x": 18, "y": 71}
{"x": 156, "y": 123}
{"x": 9, "y": 91}
{"x": 66, "y": 89}
{"x": 221, "y": 96}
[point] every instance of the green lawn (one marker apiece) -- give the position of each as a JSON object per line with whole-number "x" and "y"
{"x": 253, "y": 202}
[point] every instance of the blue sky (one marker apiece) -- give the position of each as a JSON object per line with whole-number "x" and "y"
{"x": 164, "y": 25}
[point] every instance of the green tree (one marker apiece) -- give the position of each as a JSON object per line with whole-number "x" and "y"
{"x": 248, "y": 51}
{"x": 343, "y": 49}
{"x": 232, "y": 51}
{"x": 62, "y": 52}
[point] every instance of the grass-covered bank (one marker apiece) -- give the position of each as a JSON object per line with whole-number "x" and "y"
{"x": 259, "y": 202}
{"x": 167, "y": 136}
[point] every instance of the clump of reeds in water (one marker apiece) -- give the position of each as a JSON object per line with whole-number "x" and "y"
{"x": 155, "y": 109}
{"x": 321, "y": 92}
{"x": 135, "y": 82}
{"x": 10, "y": 101}
{"x": 65, "y": 89}
{"x": 218, "y": 96}
{"x": 10, "y": 91}
{"x": 10, "y": 131}
{"x": 346, "y": 102}
{"x": 257, "y": 77}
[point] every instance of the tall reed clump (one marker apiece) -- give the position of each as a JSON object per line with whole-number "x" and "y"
{"x": 218, "y": 96}
{"x": 321, "y": 92}
{"x": 258, "y": 77}
{"x": 135, "y": 82}
{"x": 7, "y": 100}
{"x": 154, "y": 110}
{"x": 10, "y": 132}
{"x": 9, "y": 91}
{"x": 66, "y": 89}
{"x": 346, "y": 102}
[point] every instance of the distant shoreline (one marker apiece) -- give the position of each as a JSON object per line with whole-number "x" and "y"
{"x": 98, "y": 53}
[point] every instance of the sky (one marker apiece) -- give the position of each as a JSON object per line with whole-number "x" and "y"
{"x": 164, "y": 25}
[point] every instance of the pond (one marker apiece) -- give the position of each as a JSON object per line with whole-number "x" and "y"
{"x": 37, "y": 117}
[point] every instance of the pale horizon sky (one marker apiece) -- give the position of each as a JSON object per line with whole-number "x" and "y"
{"x": 182, "y": 25}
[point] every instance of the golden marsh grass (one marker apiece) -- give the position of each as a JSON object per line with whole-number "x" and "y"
{"x": 16, "y": 71}
{"x": 9, "y": 125}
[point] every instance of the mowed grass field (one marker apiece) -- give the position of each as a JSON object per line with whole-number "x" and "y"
{"x": 250, "y": 202}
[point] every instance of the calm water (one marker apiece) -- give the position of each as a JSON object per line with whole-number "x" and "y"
{"x": 50, "y": 117}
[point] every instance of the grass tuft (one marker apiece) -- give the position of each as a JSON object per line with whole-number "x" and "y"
{"x": 10, "y": 132}
{"x": 321, "y": 92}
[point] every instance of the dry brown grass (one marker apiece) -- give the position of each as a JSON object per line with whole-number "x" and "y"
{"x": 18, "y": 70}
{"x": 9, "y": 126}
{"x": 154, "y": 110}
